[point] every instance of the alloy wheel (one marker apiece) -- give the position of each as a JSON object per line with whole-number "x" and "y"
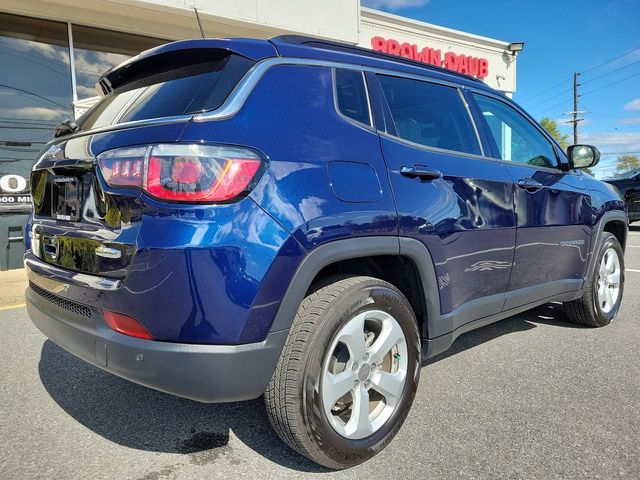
{"x": 608, "y": 280}
{"x": 364, "y": 373}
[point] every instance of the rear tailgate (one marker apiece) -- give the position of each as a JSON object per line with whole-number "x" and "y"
{"x": 79, "y": 223}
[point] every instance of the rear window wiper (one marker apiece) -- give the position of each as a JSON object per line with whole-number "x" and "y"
{"x": 65, "y": 128}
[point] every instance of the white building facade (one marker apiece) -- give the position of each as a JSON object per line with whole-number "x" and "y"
{"x": 485, "y": 58}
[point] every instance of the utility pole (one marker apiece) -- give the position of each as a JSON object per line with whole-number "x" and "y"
{"x": 575, "y": 109}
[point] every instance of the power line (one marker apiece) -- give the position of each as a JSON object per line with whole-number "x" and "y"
{"x": 555, "y": 96}
{"x": 544, "y": 91}
{"x": 575, "y": 120}
{"x": 606, "y": 62}
{"x": 609, "y": 84}
{"x": 34, "y": 95}
{"x": 619, "y": 153}
{"x": 611, "y": 60}
{"x": 10, "y": 142}
{"x": 25, "y": 120}
{"x": 64, "y": 73}
{"x": 18, "y": 149}
{"x": 626, "y": 128}
{"x": 602, "y": 117}
{"x": 58, "y": 62}
{"x": 606, "y": 115}
{"x": 564, "y": 102}
{"x": 609, "y": 73}
{"x": 614, "y": 141}
{"x": 24, "y": 127}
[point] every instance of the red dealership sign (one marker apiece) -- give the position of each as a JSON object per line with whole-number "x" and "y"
{"x": 475, "y": 66}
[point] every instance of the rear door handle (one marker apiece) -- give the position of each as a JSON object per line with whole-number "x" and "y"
{"x": 420, "y": 171}
{"x": 529, "y": 184}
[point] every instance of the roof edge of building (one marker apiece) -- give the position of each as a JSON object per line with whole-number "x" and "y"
{"x": 429, "y": 27}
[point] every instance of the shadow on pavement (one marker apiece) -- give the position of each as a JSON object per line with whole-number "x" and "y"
{"x": 138, "y": 417}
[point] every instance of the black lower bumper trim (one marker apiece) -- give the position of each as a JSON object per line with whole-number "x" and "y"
{"x": 206, "y": 373}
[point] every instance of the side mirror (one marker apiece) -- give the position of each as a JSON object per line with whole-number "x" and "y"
{"x": 583, "y": 156}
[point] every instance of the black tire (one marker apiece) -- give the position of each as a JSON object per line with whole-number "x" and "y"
{"x": 587, "y": 309}
{"x": 293, "y": 397}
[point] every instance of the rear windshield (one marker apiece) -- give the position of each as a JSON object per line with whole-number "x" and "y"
{"x": 177, "y": 91}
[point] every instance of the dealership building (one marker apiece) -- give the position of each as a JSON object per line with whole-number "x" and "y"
{"x": 53, "y": 51}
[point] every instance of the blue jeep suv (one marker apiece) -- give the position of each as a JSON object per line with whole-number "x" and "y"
{"x": 308, "y": 221}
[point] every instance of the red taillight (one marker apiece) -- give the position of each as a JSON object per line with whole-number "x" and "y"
{"x": 181, "y": 172}
{"x": 126, "y": 325}
{"x": 186, "y": 171}
{"x": 123, "y": 167}
{"x": 199, "y": 180}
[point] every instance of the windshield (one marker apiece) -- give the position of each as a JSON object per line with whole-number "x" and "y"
{"x": 177, "y": 91}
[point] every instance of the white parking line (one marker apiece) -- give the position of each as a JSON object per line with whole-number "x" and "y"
{"x": 631, "y": 270}
{"x": 11, "y": 307}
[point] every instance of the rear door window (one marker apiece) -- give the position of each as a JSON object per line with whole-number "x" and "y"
{"x": 430, "y": 114}
{"x": 351, "y": 96}
{"x": 175, "y": 90}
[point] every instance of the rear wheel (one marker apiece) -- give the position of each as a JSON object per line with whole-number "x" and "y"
{"x": 603, "y": 294}
{"x": 348, "y": 373}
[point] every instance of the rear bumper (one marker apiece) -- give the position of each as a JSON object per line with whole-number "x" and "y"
{"x": 206, "y": 373}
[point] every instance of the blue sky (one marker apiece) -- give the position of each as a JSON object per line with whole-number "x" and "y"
{"x": 561, "y": 37}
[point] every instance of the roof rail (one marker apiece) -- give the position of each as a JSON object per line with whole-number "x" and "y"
{"x": 347, "y": 47}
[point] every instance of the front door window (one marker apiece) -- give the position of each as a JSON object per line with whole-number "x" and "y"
{"x": 517, "y": 139}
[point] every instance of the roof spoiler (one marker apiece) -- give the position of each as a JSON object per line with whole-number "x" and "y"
{"x": 179, "y": 54}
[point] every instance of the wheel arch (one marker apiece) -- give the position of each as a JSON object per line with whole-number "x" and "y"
{"x": 363, "y": 255}
{"x": 615, "y": 222}
{"x": 619, "y": 229}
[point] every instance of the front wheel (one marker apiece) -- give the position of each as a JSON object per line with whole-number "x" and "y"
{"x": 348, "y": 372}
{"x": 603, "y": 293}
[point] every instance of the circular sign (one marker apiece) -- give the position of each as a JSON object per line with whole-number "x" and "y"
{"x": 12, "y": 183}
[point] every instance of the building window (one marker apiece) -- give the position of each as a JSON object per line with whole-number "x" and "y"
{"x": 37, "y": 89}
{"x": 95, "y": 51}
{"x": 37, "y": 92}
{"x": 35, "y": 95}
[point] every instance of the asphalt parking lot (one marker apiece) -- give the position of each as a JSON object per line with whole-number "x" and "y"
{"x": 529, "y": 397}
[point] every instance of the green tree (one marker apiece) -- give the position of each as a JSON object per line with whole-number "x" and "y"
{"x": 626, "y": 163}
{"x": 551, "y": 126}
